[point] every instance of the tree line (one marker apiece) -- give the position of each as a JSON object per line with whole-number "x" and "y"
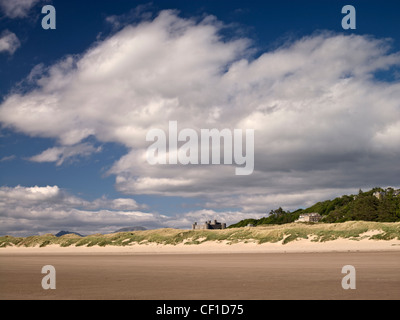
{"x": 366, "y": 206}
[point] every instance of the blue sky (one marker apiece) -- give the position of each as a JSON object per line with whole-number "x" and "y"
{"x": 76, "y": 104}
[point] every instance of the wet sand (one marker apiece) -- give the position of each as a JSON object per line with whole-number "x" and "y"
{"x": 255, "y": 276}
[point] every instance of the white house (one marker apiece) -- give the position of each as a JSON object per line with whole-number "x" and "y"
{"x": 309, "y": 217}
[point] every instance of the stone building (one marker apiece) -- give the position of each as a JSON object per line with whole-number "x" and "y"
{"x": 309, "y": 217}
{"x": 209, "y": 225}
{"x": 381, "y": 194}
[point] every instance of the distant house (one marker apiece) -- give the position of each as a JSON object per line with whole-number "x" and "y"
{"x": 381, "y": 194}
{"x": 309, "y": 217}
{"x": 208, "y": 225}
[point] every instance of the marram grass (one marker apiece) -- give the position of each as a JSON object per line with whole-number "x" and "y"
{"x": 319, "y": 232}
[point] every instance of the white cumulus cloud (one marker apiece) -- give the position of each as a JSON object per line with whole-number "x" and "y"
{"x": 17, "y": 8}
{"x": 60, "y": 154}
{"x": 323, "y": 123}
{"x": 32, "y": 210}
{"x": 9, "y": 42}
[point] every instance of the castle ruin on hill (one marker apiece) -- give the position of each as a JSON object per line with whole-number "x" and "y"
{"x": 209, "y": 225}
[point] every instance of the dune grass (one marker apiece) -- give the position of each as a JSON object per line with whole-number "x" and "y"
{"x": 319, "y": 232}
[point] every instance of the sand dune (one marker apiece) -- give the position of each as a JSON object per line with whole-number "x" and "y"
{"x": 350, "y": 236}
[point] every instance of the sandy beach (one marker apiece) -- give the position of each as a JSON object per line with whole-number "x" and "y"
{"x": 217, "y": 271}
{"x": 212, "y": 247}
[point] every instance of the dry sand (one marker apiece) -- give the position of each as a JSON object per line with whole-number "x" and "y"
{"x": 210, "y": 271}
{"x": 303, "y": 245}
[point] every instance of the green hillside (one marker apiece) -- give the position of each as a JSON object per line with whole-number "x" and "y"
{"x": 379, "y": 205}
